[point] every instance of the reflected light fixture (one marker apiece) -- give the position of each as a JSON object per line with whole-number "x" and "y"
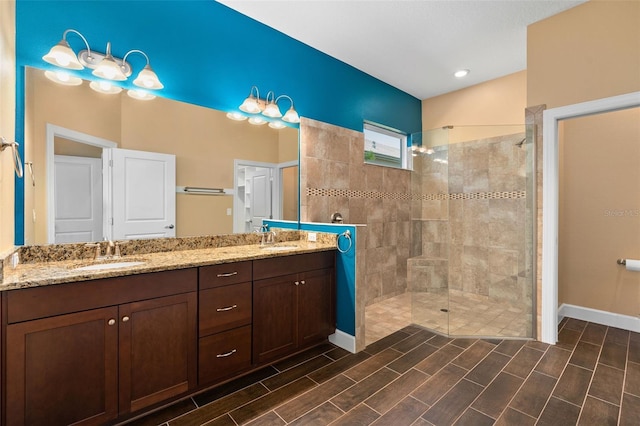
{"x": 105, "y": 87}
{"x": 141, "y": 95}
{"x": 105, "y": 65}
{"x": 63, "y": 77}
{"x": 268, "y": 107}
{"x": 461, "y": 73}
{"x": 257, "y": 120}
{"x": 236, "y": 116}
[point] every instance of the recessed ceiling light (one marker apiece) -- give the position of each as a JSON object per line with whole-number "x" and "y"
{"x": 461, "y": 73}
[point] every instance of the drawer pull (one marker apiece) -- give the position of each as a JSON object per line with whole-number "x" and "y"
{"x": 228, "y": 308}
{"x": 226, "y": 355}
{"x": 228, "y": 274}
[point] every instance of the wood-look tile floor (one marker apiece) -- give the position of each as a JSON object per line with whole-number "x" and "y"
{"x": 416, "y": 377}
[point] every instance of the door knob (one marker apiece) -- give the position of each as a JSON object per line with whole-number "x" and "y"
{"x": 169, "y": 226}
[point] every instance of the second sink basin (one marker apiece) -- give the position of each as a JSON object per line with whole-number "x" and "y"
{"x": 112, "y": 265}
{"x": 279, "y": 248}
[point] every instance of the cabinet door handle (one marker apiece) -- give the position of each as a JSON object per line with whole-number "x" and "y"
{"x": 125, "y": 319}
{"x": 297, "y": 282}
{"x": 226, "y": 355}
{"x": 302, "y": 282}
{"x": 228, "y": 274}
{"x": 111, "y": 321}
{"x": 228, "y": 308}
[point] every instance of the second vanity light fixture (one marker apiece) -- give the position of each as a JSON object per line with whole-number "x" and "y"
{"x": 268, "y": 107}
{"x": 105, "y": 66}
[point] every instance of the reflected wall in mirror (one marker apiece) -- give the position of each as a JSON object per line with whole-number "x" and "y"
{"x": 205, "y": 142}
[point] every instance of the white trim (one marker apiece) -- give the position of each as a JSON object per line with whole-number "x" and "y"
{"x": 51, "y": 132}
{"x": 551, "y": 117}
{"x": 625, "y": 322}
{"x": 344, "y": 340}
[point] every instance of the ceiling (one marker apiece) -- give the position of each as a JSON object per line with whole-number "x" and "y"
{"x": 414, "y": 45}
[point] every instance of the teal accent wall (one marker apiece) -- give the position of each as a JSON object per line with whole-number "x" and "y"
{"x": 207, "y": 54}
{"x": 345, "y": 270}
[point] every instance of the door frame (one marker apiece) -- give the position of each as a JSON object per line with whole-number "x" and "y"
{"x": 550, "y": 200}
{"x": 51, "y": 132}
{"x": 275, "y": 185}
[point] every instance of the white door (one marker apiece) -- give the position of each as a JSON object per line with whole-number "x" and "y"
{"x": 261, "y": 194}
{"x": 77, "y": 199}
{"x": 144, "y": 194}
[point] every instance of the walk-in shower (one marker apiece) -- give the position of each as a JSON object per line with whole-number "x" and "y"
{"x": 471, "y": 269}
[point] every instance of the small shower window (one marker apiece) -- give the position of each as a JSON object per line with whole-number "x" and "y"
{"x": 385, "y": 147}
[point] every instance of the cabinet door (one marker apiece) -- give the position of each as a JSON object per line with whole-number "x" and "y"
{"x": 157, "y": 350}
{"x": 315, "y": 306}
{"x": 63, "y": 370}
{"x": 274, "y": 317}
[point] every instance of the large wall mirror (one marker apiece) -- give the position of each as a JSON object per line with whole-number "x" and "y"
{"x": 211, "y": 151}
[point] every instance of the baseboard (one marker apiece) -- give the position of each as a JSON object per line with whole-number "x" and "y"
{"x": 625, "y": 322}
{"x": 344, "y": 340}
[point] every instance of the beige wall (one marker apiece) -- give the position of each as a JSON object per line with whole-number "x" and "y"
{"x": 7, "y": 120}
{"x": 600, "y": 211}
{"x": 585, "y": 53}
{"x": 591, "y": 51}
{"x": 204, "y": 141}
{"x": 499, "y": 101}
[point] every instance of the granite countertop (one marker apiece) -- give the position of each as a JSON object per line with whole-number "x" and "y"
{"x": 42, "y": 273}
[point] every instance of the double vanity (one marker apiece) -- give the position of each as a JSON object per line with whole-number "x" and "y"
{"x": 87, "y": 342}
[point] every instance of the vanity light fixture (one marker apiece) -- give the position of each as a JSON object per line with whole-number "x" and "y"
{"x": 105, "y": 65}
{"x": 461, "y": 73}
{"x": 269, "y": 106}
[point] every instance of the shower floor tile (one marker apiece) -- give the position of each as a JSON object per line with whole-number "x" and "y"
{"x": 464, "y": 314}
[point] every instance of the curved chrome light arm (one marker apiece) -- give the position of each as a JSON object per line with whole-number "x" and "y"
{"x": 285, "y": 96}
{"x": 71, "y": 30}
{"x": 135, "y": 51}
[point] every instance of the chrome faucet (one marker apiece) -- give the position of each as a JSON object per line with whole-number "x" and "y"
{"x": 112, "y": 250}
{"x": 268, "y": 237}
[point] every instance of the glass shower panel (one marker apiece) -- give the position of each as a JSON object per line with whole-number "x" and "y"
{"x": 428, "y": 268}
{"x": 471, "y": 270}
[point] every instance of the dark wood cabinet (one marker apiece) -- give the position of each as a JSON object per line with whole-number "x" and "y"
{"x": 292, "y": 310}
{"x": 63, "y": 370}
{"x": 157, "y": 348}
{"x": 91, "y": 366}
{"x": 102, "y": 351}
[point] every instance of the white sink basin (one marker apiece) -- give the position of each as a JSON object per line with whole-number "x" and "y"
{"x": 114, "y": 265}
{"x": 279, "y": 248}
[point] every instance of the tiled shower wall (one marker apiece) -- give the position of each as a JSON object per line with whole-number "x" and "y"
{"x": 471, "y": 220}
{"x": 334, "y": 178}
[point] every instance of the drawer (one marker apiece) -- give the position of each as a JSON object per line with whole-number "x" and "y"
{"x": 224, "y": 354}
{"x": 40, "y": 302}
{"x": 225, "y": 274}
{"x": 284, "y": 265}
{"x": 224, "y": 308}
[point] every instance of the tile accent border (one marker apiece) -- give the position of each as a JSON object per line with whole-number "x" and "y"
{"x": 348, "y": 193}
